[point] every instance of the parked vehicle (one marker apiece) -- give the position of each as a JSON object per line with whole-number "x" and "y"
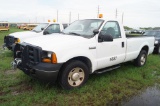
{"x": 134, "y": 31}
{"x": 85, "y": 47}
{"x": 127, "y": 31}
{"x": 156, "y": 34}
{"x": 30, "y": 26}
{"x": 4, "y": 26}
{"x": 40, "y": 30}
{"x": 141, "y": 31}
{"x": 23, "y": 26}
{"x": 13, "y": 25}
{"x": 18, "y": 26}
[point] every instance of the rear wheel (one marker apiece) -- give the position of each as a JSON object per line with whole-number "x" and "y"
{"x": 74, "y": 74}
{"x": 141, "y": 59}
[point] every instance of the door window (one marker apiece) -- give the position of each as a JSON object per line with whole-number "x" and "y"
{"x": 111, "y": 28}
{"x": 54, "y": 28}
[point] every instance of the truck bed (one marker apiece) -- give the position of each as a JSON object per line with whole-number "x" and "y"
{"x": 135, "y": 36}
{"x": 135, "y": 44}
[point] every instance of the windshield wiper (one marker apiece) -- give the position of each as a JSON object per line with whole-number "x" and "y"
{"x": 63, "y": 33}
{"x": 34, "y": 30}
{"x": 74, "y": 33}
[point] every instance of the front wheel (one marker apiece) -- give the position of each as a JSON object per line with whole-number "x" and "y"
{"x": 141, "y": 59}
{"x": 74, "y": 74}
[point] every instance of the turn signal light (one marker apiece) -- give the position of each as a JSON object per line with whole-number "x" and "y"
{"x": 46, "y": 60}
{"x": 54, "y": 58}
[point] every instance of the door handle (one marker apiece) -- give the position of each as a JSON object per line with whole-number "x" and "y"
{"x": 122, "y": 44}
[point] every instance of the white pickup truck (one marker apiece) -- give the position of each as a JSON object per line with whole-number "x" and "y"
{"x": 85, "y": 47}
{"x": 41, "y": 29}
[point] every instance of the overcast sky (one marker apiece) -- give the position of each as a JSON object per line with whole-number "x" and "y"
{"x": 137, "y": 13}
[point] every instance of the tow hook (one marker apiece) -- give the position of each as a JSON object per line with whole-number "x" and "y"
{"x": 15, "y": 63}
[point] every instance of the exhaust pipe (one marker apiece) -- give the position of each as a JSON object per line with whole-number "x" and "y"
{"x": 15, "y": 63}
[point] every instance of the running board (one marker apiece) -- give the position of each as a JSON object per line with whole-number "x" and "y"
{"x": 106, "y": 69}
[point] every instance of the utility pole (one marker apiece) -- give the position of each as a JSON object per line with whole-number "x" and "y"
{"x": 116, "y": 13}
{"x": 57, "y": 15}
{"x": 98, "y": 12}
{"x": 69, "y": 17}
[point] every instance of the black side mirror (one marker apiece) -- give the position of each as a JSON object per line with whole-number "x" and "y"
{"x": 42, "y": 29}
{"x": 105, "y": 38}
{"x": 45, "y": 32}
{"x": 95, "y": 31}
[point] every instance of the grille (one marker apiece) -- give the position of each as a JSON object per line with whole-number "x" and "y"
{"x": 34, "y": 55}
{"x": 31, "y": 55}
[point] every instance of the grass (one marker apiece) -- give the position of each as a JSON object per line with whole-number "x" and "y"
{"x": 109, "y": 88}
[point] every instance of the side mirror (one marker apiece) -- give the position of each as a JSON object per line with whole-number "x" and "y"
{"x": 42, "y": 29}
{"x": 45, "y": 32}
{"x": 95, "y": 31}
{"x": 105, "y": 38}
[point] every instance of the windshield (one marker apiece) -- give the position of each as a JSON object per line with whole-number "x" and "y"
{"x": 152, "y": 33}
{"x": 40, "y": 27}
{"x": 83, "y": 27}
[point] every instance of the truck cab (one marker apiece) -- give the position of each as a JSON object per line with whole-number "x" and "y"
{"x": 40, "y": 30}
{"x": 85, "y": 47}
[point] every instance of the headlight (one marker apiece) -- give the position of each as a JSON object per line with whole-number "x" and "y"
{"x": 156, "y": 42}
{"x": 49, "y": 57}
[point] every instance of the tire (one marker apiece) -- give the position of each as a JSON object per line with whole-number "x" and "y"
{"x": 73, "y": 75}
{"x": 141, "y": 59}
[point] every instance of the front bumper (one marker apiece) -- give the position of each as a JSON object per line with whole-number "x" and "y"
{"x": 47, "y": 72}
{"x": 10, "y": 47}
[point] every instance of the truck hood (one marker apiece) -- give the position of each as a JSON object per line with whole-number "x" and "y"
{"x": 58, "y": 41}
{"x": 24, "y": 35}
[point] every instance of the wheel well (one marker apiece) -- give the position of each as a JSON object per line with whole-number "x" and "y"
{"x": 145, "y": 48}
{"x": 85, "y": 60}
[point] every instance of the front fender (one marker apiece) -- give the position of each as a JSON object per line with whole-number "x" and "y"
{"x": 65, "y": 56}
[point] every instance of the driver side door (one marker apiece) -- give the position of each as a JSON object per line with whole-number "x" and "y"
{"x": 110, "y": 53}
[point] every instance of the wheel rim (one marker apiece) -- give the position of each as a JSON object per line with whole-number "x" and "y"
{"x": 76, "y": 76}
{"x": 143, "y": 59}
